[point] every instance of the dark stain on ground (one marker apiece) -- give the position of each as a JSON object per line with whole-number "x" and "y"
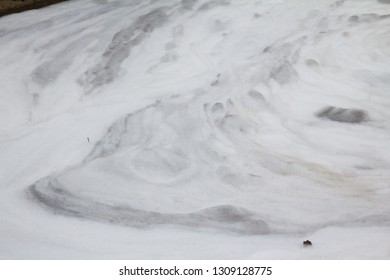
{"x": 16, "y": 6}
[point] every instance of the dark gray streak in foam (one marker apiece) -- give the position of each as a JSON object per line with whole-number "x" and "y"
{"x": 50, "y": 70}
{"x": 343, "y": 115}
{"x": 128, "y": 130}
{"x": 213, "y": 4}
{"x": 120, "y": 47}
{"x": 188, "y": 4}
{"x": 50, "y": 193}
{"x": 367, "y": 18}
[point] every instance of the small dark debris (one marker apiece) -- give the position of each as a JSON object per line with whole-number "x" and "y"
{"x": 307, "y": 243}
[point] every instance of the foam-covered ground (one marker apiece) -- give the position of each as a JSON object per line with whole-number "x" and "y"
{"x": 196, "y": 129}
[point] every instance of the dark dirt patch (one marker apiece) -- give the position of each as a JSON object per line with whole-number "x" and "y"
{"x": 16, "y": 6}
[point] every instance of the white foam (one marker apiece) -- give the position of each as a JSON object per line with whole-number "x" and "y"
{"x": 161, "y": 130}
